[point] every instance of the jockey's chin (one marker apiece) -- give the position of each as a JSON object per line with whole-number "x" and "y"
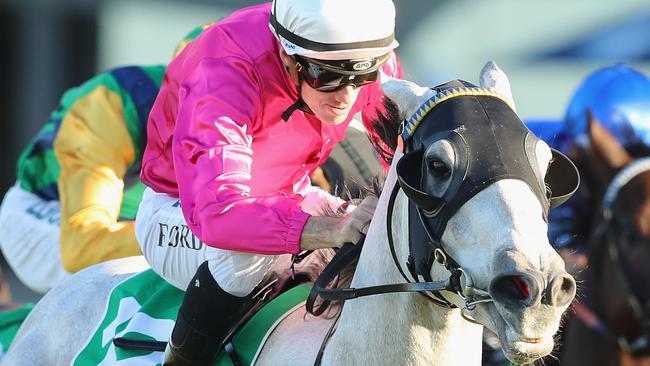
{"x": 331, "y": 108}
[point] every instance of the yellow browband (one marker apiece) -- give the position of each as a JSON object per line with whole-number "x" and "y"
{"x": 410, "y": 124}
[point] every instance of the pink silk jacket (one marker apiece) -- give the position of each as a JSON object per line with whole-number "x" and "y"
{"x": 216, "y": 140}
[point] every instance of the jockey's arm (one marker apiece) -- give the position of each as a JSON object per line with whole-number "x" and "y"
{"x": 94, "y": 149}
{"x": 213, "y": 156}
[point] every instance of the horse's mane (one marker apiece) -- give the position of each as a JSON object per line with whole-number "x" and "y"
{"x": 387, "y": 117}
{"x": 345, "y": 277}
{"x": 385, "y": 126}
{"x": 385, "y": 122}
{"x": 321, "y": 258}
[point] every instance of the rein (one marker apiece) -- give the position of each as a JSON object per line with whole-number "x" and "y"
{"x": 349, "y": 253}
{"x": 639, "y": 346}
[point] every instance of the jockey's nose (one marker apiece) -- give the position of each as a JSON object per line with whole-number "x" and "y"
{"x": 346, "y": 94}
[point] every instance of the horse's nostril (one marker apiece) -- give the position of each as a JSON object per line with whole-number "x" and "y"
{"x": 561, "y": 290}
{"x": 522, "y": 286}
{"x": 512, "y": 289}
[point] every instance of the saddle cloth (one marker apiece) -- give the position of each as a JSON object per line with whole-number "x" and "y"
{"x": 144, "y": 307}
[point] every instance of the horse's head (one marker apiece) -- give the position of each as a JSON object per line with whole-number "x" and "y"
{"x": 481, "y": 185}
{"x": 619, "y": 246}
{"x": 620, "y": 258}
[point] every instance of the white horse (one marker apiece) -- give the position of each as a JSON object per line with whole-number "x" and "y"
{"x": 497, "y": 237}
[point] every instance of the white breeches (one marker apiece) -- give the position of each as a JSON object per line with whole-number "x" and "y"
{"x": 30, "y": 240}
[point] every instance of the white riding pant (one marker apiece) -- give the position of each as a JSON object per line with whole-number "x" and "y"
{"x": 30, "y": 238}
{"x": 175, "y": 253}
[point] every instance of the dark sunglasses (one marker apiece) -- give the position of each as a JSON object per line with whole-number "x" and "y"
{"x": 325, "y": 80}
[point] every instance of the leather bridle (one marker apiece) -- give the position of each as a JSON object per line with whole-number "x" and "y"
{"x": 474, "y": 117}
{"x": 349, "y": 253}
{"x": 428, "y": 215}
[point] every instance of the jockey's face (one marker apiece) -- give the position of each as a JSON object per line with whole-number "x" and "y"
{"x": 331, "y": 108}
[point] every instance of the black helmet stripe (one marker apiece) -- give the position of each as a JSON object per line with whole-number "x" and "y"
{"x": 324, "y": 47}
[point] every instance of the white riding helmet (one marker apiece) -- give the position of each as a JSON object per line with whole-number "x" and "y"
{"x": 334, "y": 29}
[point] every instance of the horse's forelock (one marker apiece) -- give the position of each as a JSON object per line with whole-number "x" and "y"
{"x": 388, "y": 116}
{"x": 385, "y": 124}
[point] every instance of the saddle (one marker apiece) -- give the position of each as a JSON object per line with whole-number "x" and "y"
{"x": 141, "y": 310}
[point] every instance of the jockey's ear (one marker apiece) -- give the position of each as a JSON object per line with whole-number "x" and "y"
{"x": 493, "y": 78}
{"x": 383, "y": 77}
{"x": 290, "y": 65}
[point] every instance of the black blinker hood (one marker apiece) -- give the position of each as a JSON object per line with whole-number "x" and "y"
{"x": 490, "y": 143}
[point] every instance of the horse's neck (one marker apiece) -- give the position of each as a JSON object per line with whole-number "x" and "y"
{"x": 397, "y": 329}
{"x": 401, "y": 329}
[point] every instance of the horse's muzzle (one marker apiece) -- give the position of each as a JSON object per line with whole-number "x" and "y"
{"x": 518, "y": 285}
{"x": 529, "y": 288}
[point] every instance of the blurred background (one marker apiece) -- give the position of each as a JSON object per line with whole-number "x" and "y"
{"x": 546, "y": 48}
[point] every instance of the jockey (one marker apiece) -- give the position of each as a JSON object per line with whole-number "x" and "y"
{"x": 246, "y": 112}
{"x": 619, "y": 97}
{"x": 78, "y": 185}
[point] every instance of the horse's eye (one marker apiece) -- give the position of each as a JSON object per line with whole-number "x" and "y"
{"x": 440, "y": 169}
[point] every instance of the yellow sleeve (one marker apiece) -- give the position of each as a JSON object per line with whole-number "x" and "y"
{"x": 94, "y": 149}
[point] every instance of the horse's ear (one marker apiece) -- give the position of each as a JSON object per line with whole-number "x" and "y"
{"x": 409, "y": 177}
{"x": 562, "y": 178}
{"x": 606, "y": 144}
{"x": 492, "y": 77}
{"x": 408, "y": 95}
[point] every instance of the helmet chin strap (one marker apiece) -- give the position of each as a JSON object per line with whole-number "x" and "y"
{"x": 299, "y": 103}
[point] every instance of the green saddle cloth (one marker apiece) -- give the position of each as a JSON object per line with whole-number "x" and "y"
{"x": 144, "y": 307}
{"x": 10, "y": 321}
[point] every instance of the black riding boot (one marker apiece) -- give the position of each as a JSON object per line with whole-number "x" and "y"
{"x": 204, "y": 319}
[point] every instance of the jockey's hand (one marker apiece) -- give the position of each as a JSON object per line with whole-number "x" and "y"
{"x": 332, "y": 232}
